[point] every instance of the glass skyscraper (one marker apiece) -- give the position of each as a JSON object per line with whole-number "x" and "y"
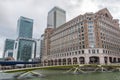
{"x": 25, "y": 27}
{"x": 9, "y": 45}
{"x": 25, "y": 49}
{"x": 56, "y": 17}
{"x": 9, "y": 53}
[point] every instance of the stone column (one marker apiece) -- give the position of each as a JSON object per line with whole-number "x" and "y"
{"x": 87, "y": 60}
{"x": 57, "y": 62}
{"x": 108, "y": 60}
{"x": 61, "y": 61}
{"x": 102, "y": 60}
{"x": 50, "y": 63}
{"x": 78, "y": 61}
{"x": 66, "y": 61}
{"x": 116, "y": 59}
{"x": 71, "y": 61}
{"x": 53, "y": 62}
{"x": 112, "y": 59}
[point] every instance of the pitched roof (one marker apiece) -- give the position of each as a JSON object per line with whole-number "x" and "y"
{"x": 105, "y": 12}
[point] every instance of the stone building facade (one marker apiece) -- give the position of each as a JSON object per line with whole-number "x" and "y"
{"x": 92, "y": 38}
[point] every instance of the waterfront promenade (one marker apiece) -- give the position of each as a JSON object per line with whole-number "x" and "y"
{"x": 10, "y": 69}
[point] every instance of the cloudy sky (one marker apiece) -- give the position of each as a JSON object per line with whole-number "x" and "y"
{"x": 11, "y": 10}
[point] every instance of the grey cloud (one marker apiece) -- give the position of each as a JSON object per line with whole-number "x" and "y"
{"x": 11, "y": 10}
{"x": 7, "y": 32}
{"x": 3, "y": 14}
{"x": 112, "y": 5}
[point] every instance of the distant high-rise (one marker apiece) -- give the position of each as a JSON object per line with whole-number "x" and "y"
{"x": 56, "y": 17}
{"x": 25, "y": 27}
{"x": 24, "y": 49}
{"x": 42, "y": 46}
{"x": 9, "y": 45}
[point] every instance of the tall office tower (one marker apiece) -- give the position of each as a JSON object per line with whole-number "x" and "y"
{"x": 91, "y": 38}
{"x": 24, "y": 49}
{"x": 25, "y": 27}
{"x": 56, "y": 17}
{"x": 9, "y": 45}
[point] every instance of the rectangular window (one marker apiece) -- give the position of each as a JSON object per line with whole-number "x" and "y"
{"x": 93, "y": 51}
{"x": 82, "y": 38}
{"x": 97, "y": 51}
{"x": 82, "y": 51}
{"x": 83, "y": 46}
{"x": 90, "y": 30}
{"x": 76, "y": 53}
{"x": 90, "y": 26}
{"x": 79, "y": 47}
{"x": 90, "y": 22}
{"x": 89, "y": 51}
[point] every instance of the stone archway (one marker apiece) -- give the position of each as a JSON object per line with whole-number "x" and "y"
{"x": 64, "y": 61}
{"x": 94, "y": 60}
{"x": 110, "y": 59}
{"x": 69, "y": 61}
{"x": 118, "y": 60}
{"x": 48, "y": 62}
{"x": 45, "y": 62}
{"x": 106, "y": 60}
{"x": 114, "y": 60}
{"x": 55, "y": 61}
{"x": 51, "y": 62}
{"x": 74, "y": 60}
{"x": 59, "y": 61}
{"x": 82, "y": 60}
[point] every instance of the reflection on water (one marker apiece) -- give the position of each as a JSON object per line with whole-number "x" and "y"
{"x": 60, "y": 75}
